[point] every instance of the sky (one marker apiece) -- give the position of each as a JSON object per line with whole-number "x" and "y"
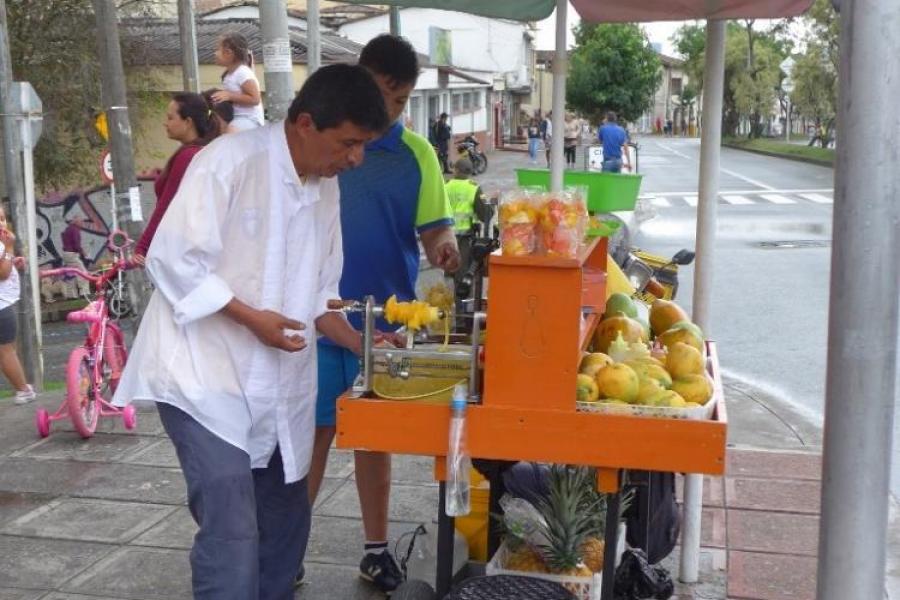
{"x": 659, "y": 32}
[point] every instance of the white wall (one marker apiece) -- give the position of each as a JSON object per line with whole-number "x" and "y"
{"x": 478, "y": 43}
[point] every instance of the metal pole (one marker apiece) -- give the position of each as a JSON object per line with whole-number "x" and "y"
{"x": 560, "y": 69}
{"x": 29, "y": 244}
{"x": 277, "y": 58}
{"x": 115, "y": 101}
{"x": 313, "y": 37}
{"x": 395, "y": 20}
{"x": 29, "y": 341}
{"x": 710, "y": 141}
{"x": 187, "y": 32}
{"x": 864, "y": 280}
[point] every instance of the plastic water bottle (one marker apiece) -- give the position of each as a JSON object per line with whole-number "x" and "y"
{"x": 459, "y": 463}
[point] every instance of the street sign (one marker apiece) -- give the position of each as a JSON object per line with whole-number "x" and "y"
{"x": 28, "y": 106}
{"x": 106, "y": 171}
{"x": 101, "y": 125}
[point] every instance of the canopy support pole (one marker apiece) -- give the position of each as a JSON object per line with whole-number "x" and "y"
{"x": 710, "y": 143}
{"x": 863, "y": 306}
{"x": 560, "y": 69}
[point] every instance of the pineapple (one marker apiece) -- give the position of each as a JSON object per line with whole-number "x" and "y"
{"x": 592, "y": 553}
{"x": 525, "y": 559}
{"x": 570, "y": 514}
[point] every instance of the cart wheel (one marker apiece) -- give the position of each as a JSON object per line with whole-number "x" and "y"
{"x": 129, "y": 417}
{"x": 42, "y": 422}
{"x": 414, "y": 589}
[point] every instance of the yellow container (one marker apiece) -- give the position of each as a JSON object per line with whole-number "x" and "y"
{"x": 474, "y": 526}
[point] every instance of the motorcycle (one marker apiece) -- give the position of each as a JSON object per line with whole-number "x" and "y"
{"x": 468, "y": 147}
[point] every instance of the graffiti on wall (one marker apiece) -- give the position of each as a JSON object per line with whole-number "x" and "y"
{"x": 94, "y": 206}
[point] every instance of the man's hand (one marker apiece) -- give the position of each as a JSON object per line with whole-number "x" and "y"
{"x": 277, "y": 331}
{"x": 447, "y": 257}
{"x": 139, "y": 260}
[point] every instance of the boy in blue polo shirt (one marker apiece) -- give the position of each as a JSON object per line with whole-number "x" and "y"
{"x": 394, "y": 199}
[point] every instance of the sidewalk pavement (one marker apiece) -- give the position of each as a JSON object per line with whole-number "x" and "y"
{"x": 106, "y": 518}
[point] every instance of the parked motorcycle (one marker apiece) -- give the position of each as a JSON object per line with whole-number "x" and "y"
{"x": 468, "y": 148}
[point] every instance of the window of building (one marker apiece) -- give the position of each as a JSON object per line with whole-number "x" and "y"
{"x": 675, "y": 86}
{"x": 456, "y": 103}
{"x": 467, "y": 102}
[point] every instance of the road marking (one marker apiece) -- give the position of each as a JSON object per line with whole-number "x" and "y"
{"x": 660, "y": 202}
{"x": 748, "y": 179}
{"x": 691, "y": 200}
{"x": 778, "y": 199}
{"x": 748, "y": 192}
{"x": 674, "y": 151}
{"x": 818, "y": 198}
{"x": 737, "y": 200}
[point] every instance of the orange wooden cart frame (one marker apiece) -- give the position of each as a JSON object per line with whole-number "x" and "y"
{"x": 542, "y": 312}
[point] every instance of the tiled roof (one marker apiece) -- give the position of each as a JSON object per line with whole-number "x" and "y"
{"x": 156, "y": 41}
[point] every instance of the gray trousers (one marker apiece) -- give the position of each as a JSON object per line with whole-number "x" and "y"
{"x": 253, "y": 527}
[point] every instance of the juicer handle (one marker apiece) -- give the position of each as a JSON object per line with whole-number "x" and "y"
{"x": 337, "y": 304}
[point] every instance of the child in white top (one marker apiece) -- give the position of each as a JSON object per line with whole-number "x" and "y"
{"x": 9, "y": 296}
{"x": 239, "y": 81}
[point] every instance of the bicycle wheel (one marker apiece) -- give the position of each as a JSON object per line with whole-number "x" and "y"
{"x": 84, "y": 409}
{"x": 114, "y": 357}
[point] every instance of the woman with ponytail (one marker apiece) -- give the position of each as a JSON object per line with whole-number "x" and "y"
{"x": 241, "y": 87}
{"x": 189, "y": 120}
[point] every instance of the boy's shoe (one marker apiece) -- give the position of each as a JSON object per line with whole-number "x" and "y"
{"x": 25, "y": 396}
{"x": 382, "y": 570}
{"x": 298, "y": 580}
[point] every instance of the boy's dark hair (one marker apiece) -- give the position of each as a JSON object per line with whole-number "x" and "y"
{"x": 611, "y": 117}
{"x": 339, "y": 93}
{"x": 391, "y": 56}
{"x": 196, "y": 108}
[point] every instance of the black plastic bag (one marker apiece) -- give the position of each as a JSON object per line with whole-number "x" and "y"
{"x": 636, "y": 579}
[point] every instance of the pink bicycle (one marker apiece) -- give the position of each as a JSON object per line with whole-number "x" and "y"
{"x": 94, "y": 368}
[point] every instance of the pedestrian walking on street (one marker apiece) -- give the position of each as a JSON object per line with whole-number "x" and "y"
{"x": 190, "y": 120}
{"x": 244, "y": 263}
{"x": 615, "y": 145}
{"x": 534, "y": 140}
{"x": 388, "y": 205}
{"x": 570, "y": 140}
{"x": 9, "y": 297}
{"x": 241, "y": 87}
{"x": 442, "y": 136}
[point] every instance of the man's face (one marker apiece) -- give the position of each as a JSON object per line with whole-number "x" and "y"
{"x": 327, "y": 152}
{"x": 396, "y": 95}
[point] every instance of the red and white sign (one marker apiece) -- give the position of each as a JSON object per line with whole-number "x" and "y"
{"x": 106, "y": 171}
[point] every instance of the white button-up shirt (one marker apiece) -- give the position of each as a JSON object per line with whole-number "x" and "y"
{"x": 242, "y": 225}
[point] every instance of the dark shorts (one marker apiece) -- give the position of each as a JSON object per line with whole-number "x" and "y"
{"x": 8, "y": 324}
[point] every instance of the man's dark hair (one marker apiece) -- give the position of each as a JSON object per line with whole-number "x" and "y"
{"x": 611, "y": 117}
{"x": 339, "y": 93}
{"x": 391, "y": 56}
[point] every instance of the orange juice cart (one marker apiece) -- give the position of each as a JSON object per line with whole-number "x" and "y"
{"x": 541, "y": 315}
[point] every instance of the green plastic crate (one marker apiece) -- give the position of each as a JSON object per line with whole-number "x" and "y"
{"x": 606, "y": 191}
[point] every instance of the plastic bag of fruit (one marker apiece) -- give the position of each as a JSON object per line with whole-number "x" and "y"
{"x": 518, "y": 218}
{"x": 561, "y": 222}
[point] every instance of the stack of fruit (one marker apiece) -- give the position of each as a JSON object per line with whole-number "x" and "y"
{"x": 635, "y": 363}
{"x": 564, "y": 529}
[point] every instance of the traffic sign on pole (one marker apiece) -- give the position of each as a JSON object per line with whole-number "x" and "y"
{"x": 106, "y": 169}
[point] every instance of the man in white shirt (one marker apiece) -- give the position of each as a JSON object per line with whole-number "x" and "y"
{"x": 244, "y": 262}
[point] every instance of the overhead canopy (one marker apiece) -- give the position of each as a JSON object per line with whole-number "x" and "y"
{"x": 615, "y": 10}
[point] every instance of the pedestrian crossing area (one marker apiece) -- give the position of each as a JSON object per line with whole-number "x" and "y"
{"x": 764, "y": 197}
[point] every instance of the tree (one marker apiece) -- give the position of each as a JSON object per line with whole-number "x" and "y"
{"x": 612, "y": 68}
{"x": 690, "y": 42}
{"x": 754, "y": 58}
{"x": 815, "y": 75}
{"x": 52, "y": 45}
